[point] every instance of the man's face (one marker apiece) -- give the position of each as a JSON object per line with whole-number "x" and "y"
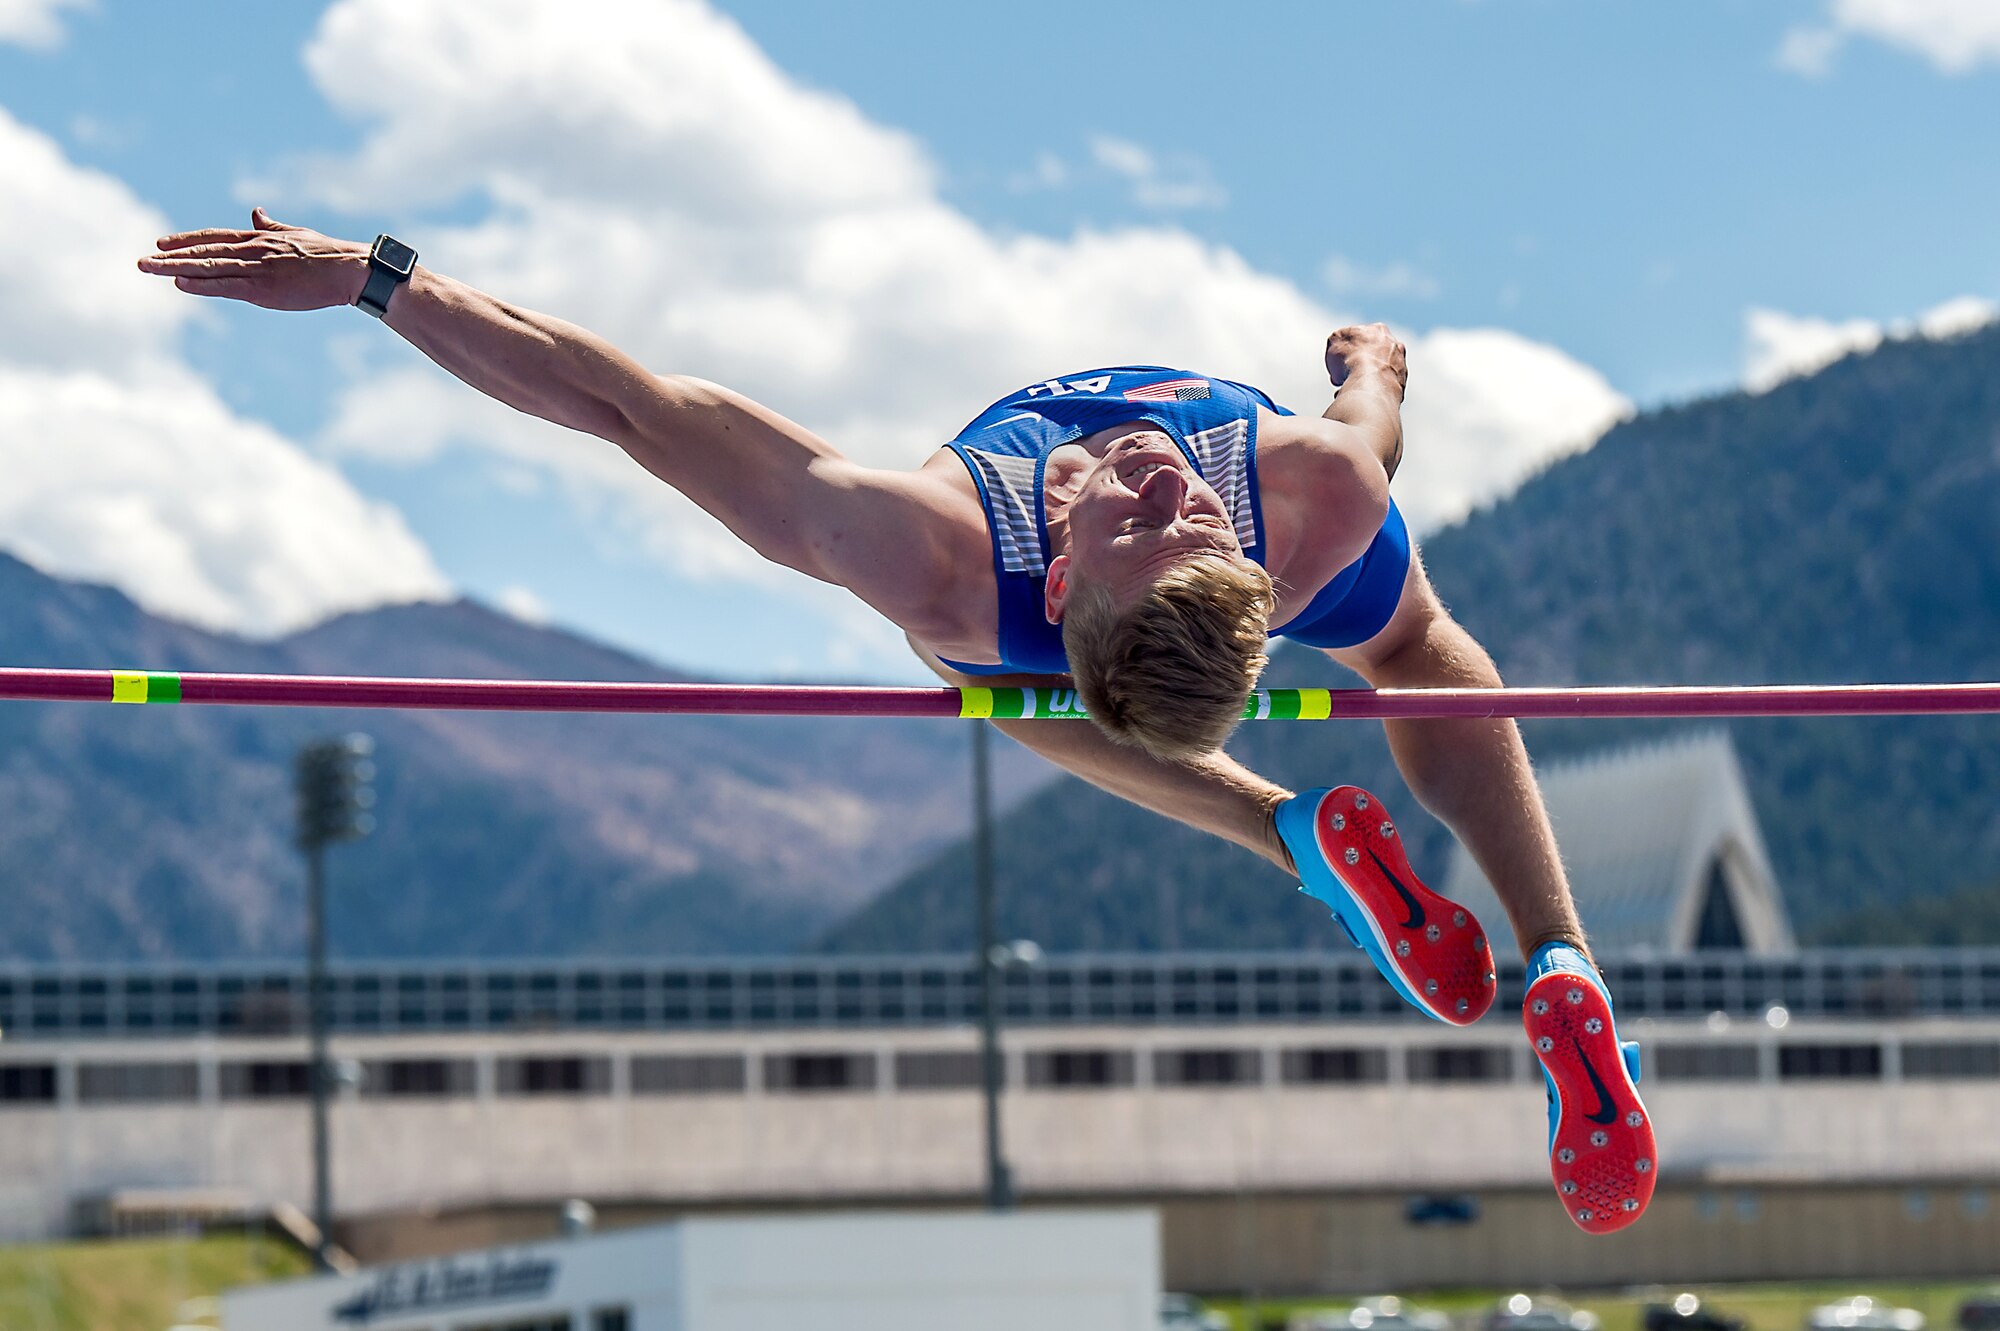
{"x": 1141, "y": 510}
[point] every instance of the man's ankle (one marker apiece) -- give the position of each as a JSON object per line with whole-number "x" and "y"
{"x": 1275, "y": 849}
{"x": 1567, "y": 935}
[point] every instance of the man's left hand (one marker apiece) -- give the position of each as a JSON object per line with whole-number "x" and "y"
{"x": 271, "y": 265}
{"x": 1351, "y": 350}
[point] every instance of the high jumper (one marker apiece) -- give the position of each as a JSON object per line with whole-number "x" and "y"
{"x": 1138, "y": 533}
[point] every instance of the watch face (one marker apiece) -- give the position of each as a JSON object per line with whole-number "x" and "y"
{"x": 394, "y": 255}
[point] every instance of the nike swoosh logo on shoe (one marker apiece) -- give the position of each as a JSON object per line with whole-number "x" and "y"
{"x": 1416, "y": 920}
{"x": 1606, "y": 1111}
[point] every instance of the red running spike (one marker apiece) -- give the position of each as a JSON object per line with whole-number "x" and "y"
{"x": 1432, "y": 948}
{"x": 1602, "y": 1154}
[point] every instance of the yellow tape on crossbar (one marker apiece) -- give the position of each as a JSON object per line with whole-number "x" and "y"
{"x": 975, "y": 703}
{"x": 1315, "y": 704}
{"x": 128, "y": 686}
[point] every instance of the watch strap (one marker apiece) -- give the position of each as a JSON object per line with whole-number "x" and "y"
{"x": 381, "y": 285}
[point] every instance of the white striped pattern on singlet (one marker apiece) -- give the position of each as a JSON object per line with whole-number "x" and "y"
{"x": 1223, "y": 455}
{"x": 1010, "y": 488}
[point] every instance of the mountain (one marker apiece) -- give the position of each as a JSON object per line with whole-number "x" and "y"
{"x": 1840, "y": 528}
{"x": 156, "y": 832}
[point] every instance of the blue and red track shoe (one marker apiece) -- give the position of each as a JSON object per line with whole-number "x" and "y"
{"x": 1348, "y": 855}
{"x": 1601, "y": 1149}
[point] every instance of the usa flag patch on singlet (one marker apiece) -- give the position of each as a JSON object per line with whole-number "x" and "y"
{"x": 1169, "y": 390}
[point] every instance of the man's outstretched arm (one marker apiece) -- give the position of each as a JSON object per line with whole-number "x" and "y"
{"x": 780, "y": 488}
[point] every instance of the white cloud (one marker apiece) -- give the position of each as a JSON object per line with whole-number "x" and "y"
{"x": 1780, "y": 346}
{"x": 860, "y": 303}
{"x": 1125, "y": 158}
{"x": 1171, "y": 186}
{"x": 1346, "y": 278}
{"x": 122, "y": 465}
{"x": 597, "y": 102}
{"x": 81, "y": 302}
{"x": 1488, "y": 408}
{"x": 36, "y": 23}
{"x": 1961, "y": 314}
{"x": 1049, "y": 172}
{"x": 1809, "y": 51}
{"x": 1957, "y": 36}
{"x": 116, "y": 135}
{"x": 523, "y": 604}
{"x": 150, "y": 483}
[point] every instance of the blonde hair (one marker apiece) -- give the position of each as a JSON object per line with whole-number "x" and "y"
{"x": 1171, "y": 673}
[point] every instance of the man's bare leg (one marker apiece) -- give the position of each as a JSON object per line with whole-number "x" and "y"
{"x": 1473, "y": 775}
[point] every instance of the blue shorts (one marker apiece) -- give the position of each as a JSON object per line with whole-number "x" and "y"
{"x": 1362, "y": 597}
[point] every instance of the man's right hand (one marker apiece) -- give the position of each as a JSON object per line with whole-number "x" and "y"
{"x": 1364, "y": 347}
{"x": 272, "y": 265}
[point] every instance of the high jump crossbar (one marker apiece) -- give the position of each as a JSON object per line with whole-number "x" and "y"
{"x": 1002, "y": 703}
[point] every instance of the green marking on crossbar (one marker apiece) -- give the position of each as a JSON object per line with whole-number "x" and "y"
{"x": 139, "y": 686}
{"x": 1011, "y": 703}
{"x": 1042, "y": 703}
{"x": 1289, "y": 705}
{"x": 1055, "y": 703}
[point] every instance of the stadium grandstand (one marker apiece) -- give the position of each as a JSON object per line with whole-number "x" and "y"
{"x": 1252, "y": 1098}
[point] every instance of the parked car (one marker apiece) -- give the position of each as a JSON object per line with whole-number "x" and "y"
{"x": 1687, "y": 1313}
{"x": 1184, "y": 1312}
{"x": 1461, "y": 1209}
{"x": 1520, "y": 1313}
{"x": 1388, "y": 1313}
{"x": 1862, "y": 1313}
{"x": 1980, "y": 1312}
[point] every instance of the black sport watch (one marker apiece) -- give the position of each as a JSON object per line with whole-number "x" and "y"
{"x": 390, "y": 264}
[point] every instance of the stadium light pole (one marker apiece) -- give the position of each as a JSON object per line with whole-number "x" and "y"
{"x": 999, "y": 1180}
{"x": 334, "y": 796}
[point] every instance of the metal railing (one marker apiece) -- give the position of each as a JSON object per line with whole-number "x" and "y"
{"x": 247, "y": 999}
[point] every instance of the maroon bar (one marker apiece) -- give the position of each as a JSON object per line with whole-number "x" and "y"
{"x": 56, "y": 685}
{"x": 564, "y": 696}
{"x": 495, "y": 695}
{"x": 1670, "y": 701}
{"x": 808, "y": 700}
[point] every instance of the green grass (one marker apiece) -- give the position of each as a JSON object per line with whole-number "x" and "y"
{"x": 132, "y": 1284}
{"x": 1762, "y": 1307}
{"x": 146, "y": 1285}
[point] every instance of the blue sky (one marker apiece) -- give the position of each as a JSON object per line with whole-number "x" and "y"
{"x": 1570, "y": 209}
{"x": 1619, "y": 180}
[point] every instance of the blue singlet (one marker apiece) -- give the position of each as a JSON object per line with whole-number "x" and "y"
{"x": 1007, "y": 447}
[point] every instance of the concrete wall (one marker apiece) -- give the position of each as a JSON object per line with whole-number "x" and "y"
{"x": 1363, "y": 1243}
{"x": 487, "y": 1152}
{"x": 1275, "y": 1244}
